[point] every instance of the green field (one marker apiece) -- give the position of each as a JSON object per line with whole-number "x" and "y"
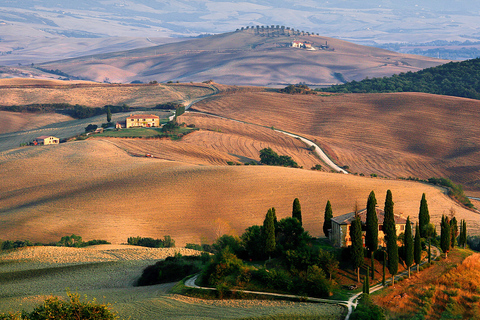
{"x": 131, "y": 133}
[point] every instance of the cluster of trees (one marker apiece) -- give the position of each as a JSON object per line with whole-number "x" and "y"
{"x": 454, "y": 190}
{"x": 297, "y": 89}
{"x": 293, "y": 263}
{"x": 82, "y": 112}
{"x": 460, "y": 79}
{"x": 66, "y": 241}
{"x": 167, "y": 242}
{"x": 270, "y": 157}
{"x": 168, "y": 106}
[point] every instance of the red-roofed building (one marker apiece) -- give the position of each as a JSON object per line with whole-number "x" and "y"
{"x": 142, "y": 120}
{"x": 340, "y": 233}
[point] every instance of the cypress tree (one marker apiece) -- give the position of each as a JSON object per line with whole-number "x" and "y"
{"x": 327, "y": 220}
{"x": 367, "y": 282}
{"x": 453, "y": 232}
{"x": 384, "y": 264}
{"x": 409, "y": 249}
{"x": 109, "y": 115}
{"x": 373, "y": 265}
{"x": 297, "y": 210}
{"x": 390, "y": 236}
{"x": 423, "y": 217}
{"x": 269, "y": 231}
{"x": 462, "y": 239}
{"x": 357, "y": 244}
{"x": 417, "y": 247}
{"x": 445, "y": 235}
{"x": 371, "y": 234}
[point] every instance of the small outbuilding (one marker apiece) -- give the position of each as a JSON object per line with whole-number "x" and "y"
{"x": 46, "y": 140}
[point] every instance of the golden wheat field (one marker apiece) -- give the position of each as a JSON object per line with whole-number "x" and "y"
{"x": 393, "y": 135}
{"x": 98, "y": 191}
{"x": 25, "y": 92}
{"x": 15, "y": 121}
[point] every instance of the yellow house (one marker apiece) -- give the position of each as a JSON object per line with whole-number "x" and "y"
{"x": 142, "y": 120}
{"x": 45, "y": 140}
{"x": 340, "y": 233}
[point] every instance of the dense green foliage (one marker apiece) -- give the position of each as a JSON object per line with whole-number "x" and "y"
{"x": 297, "y": 210}
{"x": 327, "y": 218}
{"x": 462, "y": 238}
{"x": 75, "y": 309}
{"x": 417, "y": 246}
{"x": 66, "y": 241}
{"x": 270, "y": 157}
{"x": 171, "y": 269}
{"x": 297, "y": 89}
{"x": 167, "y": 242}
{"x": 453, "y": 232}
{"x": 409, "y": 246}
{"x": 269, "y": 233}
{"x": 454, "y": 190}
{"x": 371, "y": 232}
{"x": 168, "y": 106}
{"x": 367, "y": 310}
{"x": 390, "y": 234}
{"x": 423, "y": 217}
{"x": 460, "y": 79}
{"x": 109, "y": 114}
{"x": 445, "y": 234}
{"x": 357, "y": 244}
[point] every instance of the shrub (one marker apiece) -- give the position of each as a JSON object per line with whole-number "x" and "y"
{"x": 167, "y": 242}
{"x": 366, "y": 309}
{"x": 194, "y": 246}
{"x": 55, "y": 308}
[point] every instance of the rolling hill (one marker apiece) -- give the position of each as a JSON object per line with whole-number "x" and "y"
{"x": 96, "y": 190}
{"x": 260, "y": 56}
{"x": 393, "y": 135}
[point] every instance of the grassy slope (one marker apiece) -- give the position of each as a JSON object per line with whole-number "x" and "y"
{"x": 245, "y": 58}
{"x": 394, "y": 135}
{"x": 94, "y": 189}
{"x": 455, "y": 290}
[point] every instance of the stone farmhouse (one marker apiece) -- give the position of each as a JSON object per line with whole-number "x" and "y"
{"x": 340, "y": 233}
{"x": 301, "y": 44}
{"x": 46, "y": 140}
{"x": 142, "y": 120}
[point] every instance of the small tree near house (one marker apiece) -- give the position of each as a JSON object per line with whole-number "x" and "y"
{"x": 327, "y": 220}
{"x": 409, "y": 246}
{"x": 297, "y": 210}
{"x": 357, "y": 244}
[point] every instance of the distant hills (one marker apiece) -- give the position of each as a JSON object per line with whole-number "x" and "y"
{"x": 460, "y": 79}
{"x": 252, "y": 56}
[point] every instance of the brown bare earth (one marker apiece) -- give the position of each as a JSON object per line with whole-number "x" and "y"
{"x": 245, "y": 58}
{"x": 95, "y": 189}
{"x": 15, "y": 121}
{"x": 220, "y": 141}
{"x": 24, "y": 92}
{"x": 392, "y": 135}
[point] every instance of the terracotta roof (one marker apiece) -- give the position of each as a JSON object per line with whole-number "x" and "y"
{"x": 348, "y": 217}
{"x": 143, "y": 116}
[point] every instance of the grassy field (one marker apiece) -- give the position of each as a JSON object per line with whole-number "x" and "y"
{"x": 68, "y": 187}
{"x": 24, "y": 92}
{"x": 108, "y": 272}
{"x": 392, "y": 135}
{"x": 447, "y": 290}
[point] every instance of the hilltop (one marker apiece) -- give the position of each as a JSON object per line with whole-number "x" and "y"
{"x": 253, "y": 56}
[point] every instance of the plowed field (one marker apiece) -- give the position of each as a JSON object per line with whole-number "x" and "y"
{"x": 96, "y": 190}
{"x": 393, "y": 135}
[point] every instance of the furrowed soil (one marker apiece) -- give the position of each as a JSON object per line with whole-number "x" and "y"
{"x": 17, "y": 121}
{"x": 108, "y": 273}
{"x": 392, "y": 135}
{"x": 25, "y": 92}
{"x": 95, "y": 189}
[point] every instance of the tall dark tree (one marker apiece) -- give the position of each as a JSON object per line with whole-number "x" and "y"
{"x": 417, "y": 247}
{"x": 453, "y": 232}
{"x": 269, "y": 230}
{"x": 390, "y": 236}
{"x": 327, "y": 220}
{"x": 109, "y": 115}
{"x": 445, "y": 235}
{"x": 409, "y": 247}
{"x": 384, "y": 266}
{"x": 371, "y": 234}
{"x": 357, "y": 244}
{"x": 462, "y": 239}
{"x": 423, "y": 217}
{"x": 297, "y": 210}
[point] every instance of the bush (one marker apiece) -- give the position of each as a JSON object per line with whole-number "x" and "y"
{"x": 167, "y": 242}
{"x": 270, "y": 157}
{"x": 55, "y": 308}
{"x": 367, "y": 310}
{"x": 194, "y": 246}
